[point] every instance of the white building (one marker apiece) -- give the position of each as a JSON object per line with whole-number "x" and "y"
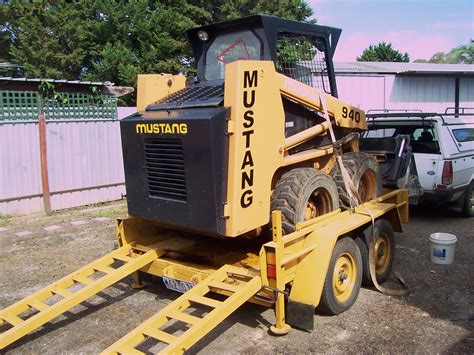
{"x": 425, "y": 86}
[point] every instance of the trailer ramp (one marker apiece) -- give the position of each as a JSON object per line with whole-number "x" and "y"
{"x": 242, "y": 288}
{"x": 41, "y": 307}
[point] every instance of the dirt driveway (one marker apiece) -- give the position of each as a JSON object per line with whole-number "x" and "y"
{"x": 437, "y": 316}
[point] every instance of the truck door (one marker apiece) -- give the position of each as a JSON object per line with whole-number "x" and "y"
{"x": 463, "y": 167}
{"x": 425, "y": 145}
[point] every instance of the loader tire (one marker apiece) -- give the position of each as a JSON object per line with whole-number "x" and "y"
{"x": 365, "y": 174}
{"x": 302, "y": 194}
{"x": 384, "y": 251}
{"x": 343, "y": 278}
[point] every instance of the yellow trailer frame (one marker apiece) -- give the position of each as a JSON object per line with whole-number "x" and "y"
{"x": 240, "y": 271}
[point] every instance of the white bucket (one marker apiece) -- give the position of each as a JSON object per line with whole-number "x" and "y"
{"x": 442, "y": 247}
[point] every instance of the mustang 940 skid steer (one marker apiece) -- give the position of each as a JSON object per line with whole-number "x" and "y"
{"x": 247, "y": 184}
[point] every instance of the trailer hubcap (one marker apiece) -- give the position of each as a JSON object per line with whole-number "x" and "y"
{"x": 344, "y": 277}
{"x": 367, "y": 186}
{"x": 319, "y": 203}
{"x": 382, "y": 253}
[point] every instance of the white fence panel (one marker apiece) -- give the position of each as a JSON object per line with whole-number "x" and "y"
{"x": 20, "y": 172}
{"x": 84, "y": 161}
{"x": 84, "y": 165}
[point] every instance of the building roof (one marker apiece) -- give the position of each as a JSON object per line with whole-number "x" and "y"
{"x": 62, "y": 81}
{"x": 31, "y": 84}
{"x": 402, "y": 68}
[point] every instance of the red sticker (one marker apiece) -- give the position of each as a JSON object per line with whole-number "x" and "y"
{"x": 233, "y": 49}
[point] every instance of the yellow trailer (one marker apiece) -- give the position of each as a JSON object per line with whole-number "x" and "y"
{"x": 318, "y": 264}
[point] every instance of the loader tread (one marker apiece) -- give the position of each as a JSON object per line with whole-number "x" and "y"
{"x": 356, "y": 163}
{"x": 292, "y": 188}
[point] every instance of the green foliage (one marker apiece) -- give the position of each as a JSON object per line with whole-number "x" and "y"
{"x": 382, "y": 52}
{"x": 48, "y": 92}
{"x": 114, "y": 40}
{"x": 220, "y": 10}
{"x": 5, "y": 220}
{"x": 96, "y": 95}
{"x": 291, "y": 9}
{"x": 463, "y": 54}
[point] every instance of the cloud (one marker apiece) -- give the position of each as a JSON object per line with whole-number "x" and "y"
{"x": 416, "y": 44}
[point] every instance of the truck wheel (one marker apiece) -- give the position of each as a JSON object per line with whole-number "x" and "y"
{"x": 468, "y": 206}
{"x": 343, "y": 279}
{"x": 384, "y": 251}
{"x": 302, "y": 194}
{"x": 366, "y": 177}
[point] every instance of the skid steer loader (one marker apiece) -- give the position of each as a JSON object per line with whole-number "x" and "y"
{"x": 260, "y": 136}
{"x": 259, "y": 130}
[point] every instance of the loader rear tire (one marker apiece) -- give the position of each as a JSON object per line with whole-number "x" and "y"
{"x": 365, "y": 174}
{"x": 343, "y": 278}
{"x": 302, "y": 194}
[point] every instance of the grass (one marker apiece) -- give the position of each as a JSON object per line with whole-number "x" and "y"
{"x": 106, "y": 212}
{"x": 110, "y": 212}
{"x": 5, "y": 220}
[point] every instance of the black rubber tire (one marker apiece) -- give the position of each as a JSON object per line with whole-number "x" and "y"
{"x": 384, "y": 230}
{"x": 468, "y": 205}
{"x": 294, "y": 191}
{"x": 329, "y": 303}
{"x": 361, "y": 167}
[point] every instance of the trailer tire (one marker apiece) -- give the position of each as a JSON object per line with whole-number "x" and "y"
{"x": 365, "y": 174}
{"x": 343, "y": 278}
{"x": 468, "y": 205}
{"x": 384, "y": 251}
{"x": 301, "y": 194}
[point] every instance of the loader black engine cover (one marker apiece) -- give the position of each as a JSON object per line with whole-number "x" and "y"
{"x": 176, "y": 167}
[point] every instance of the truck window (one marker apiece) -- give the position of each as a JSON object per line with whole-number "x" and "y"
{"x": 379, "y": 133}
{"x": 464, "y": 134}
{"x": 425, "y": 140}
{"x": 229, "y": 47}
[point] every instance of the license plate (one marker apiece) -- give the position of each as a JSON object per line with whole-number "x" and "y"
{"x": 177, "y": 285}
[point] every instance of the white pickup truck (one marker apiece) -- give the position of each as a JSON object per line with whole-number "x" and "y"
{"x": 441, "y": 157}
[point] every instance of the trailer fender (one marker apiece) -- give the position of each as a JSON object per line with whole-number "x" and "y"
{"x": 309, "y": 280}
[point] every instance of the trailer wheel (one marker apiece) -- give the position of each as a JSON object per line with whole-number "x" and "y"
{"x": 302, "y": 194}
{"x": 468, "y": 206}
{"x": 343, "y": 278}
{"x": 384, "y": 251}
{"x": 366, "y": 177}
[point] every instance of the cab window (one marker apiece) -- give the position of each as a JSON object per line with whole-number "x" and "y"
{"x": 229, "y": 47}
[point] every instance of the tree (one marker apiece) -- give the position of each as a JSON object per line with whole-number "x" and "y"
{"x": 463, "y": 54}
{"x": 114, "y": 40}
{"x": 382, "y": 52}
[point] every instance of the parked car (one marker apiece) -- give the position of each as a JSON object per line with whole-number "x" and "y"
{"x": 437, "y": 151}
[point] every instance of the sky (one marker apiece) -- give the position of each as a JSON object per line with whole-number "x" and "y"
{"x": 419, "y": 27}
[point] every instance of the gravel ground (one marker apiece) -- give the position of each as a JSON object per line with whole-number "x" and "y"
{"x": 436, "y": 317}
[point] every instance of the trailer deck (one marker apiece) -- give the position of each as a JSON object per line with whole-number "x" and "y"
{"x": 239, "y": 274}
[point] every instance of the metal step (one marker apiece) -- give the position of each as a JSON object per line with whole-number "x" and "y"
{"x": 240, "y": 290}
{"x": 68, "y": 292}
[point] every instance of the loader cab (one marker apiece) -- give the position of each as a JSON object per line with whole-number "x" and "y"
{"x": 301, "y": 51}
